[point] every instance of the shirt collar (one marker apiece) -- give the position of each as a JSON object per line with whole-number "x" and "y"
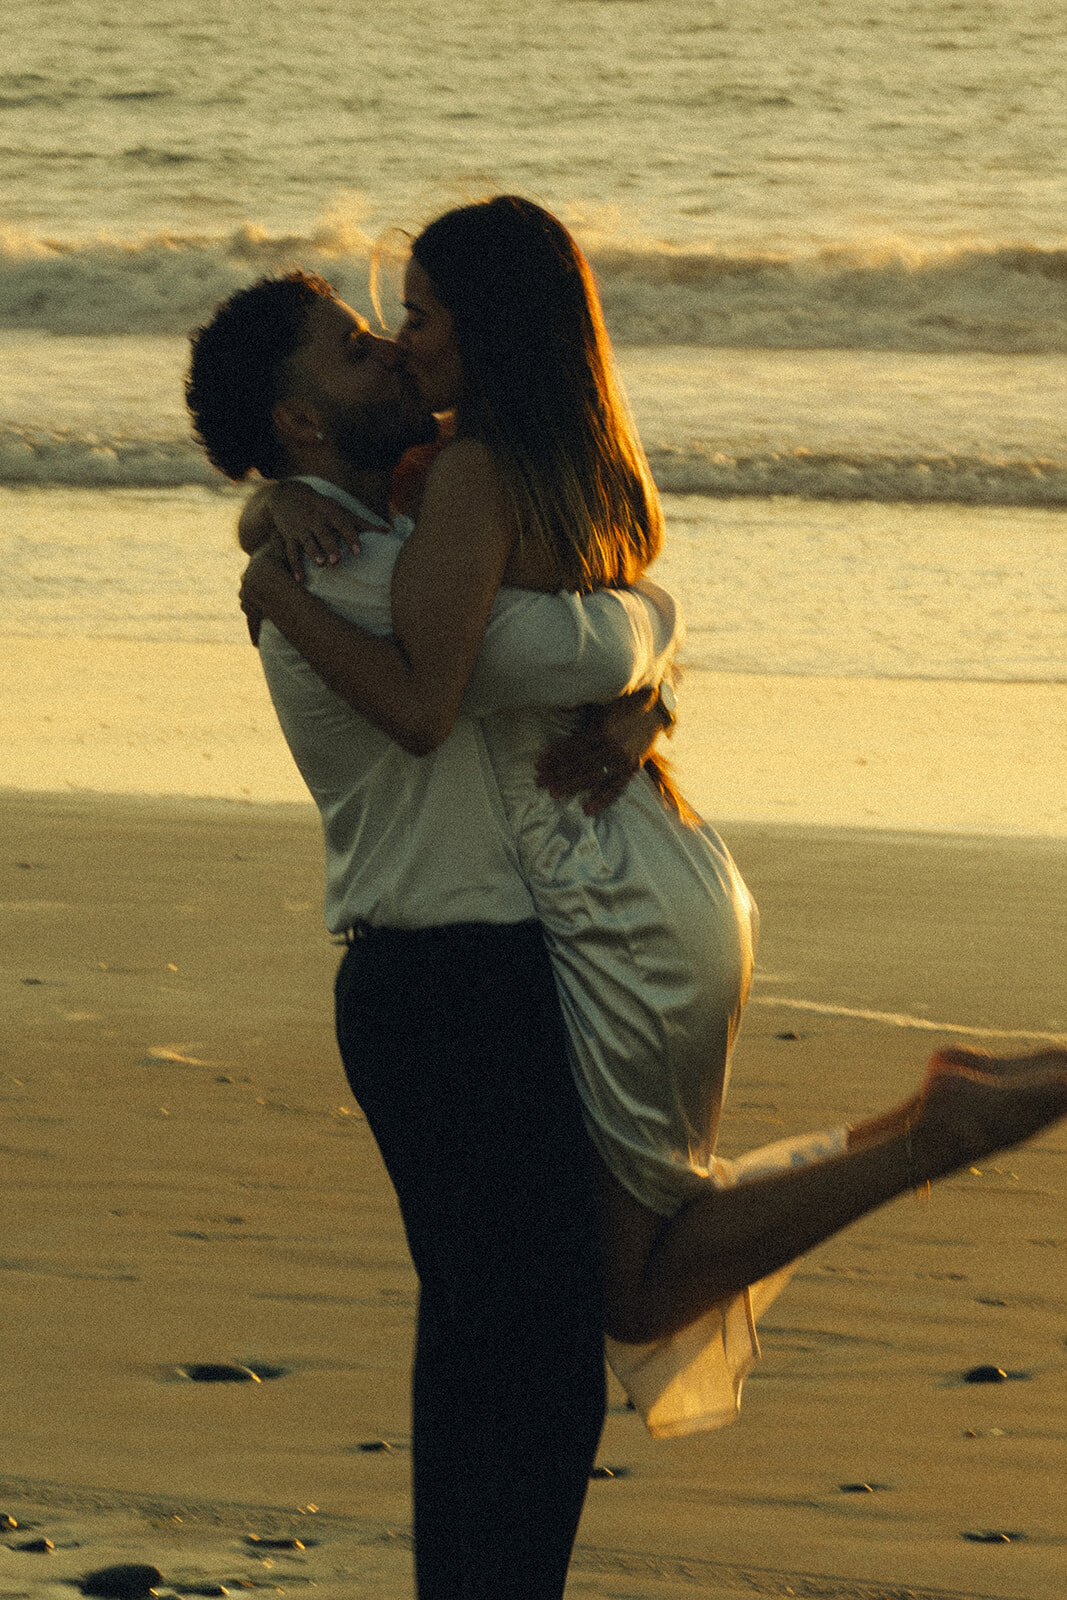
{"x": 399, "y": 524}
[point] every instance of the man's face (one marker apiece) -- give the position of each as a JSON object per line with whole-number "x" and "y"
{"x": 370, "y": 406}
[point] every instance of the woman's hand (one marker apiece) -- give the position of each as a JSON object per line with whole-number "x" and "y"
{"x": 444, "y": 582}
{"x": 298, "y": 523}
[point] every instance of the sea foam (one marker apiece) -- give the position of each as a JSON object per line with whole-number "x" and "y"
{"x": 87, "y": 459}
{"x": 830, "y": 475}
{"x": 1010, "y": 299}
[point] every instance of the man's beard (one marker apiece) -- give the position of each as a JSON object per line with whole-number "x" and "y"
{"x": 372, "y": 440}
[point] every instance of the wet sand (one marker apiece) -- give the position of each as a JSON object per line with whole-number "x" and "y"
{"x": 160, "y": 717}
{"x": 185, "y": 1179}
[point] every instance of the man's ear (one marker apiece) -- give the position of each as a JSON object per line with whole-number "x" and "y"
{"x": 297, "y": 422}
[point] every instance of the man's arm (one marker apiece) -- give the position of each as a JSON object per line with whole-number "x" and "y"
{"x": 607, "y": 746}
{"x": 542, "y": 649}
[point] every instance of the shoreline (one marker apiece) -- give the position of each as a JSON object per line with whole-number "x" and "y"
{"x": 904, "y": 755}
{"x": 302, "y": 811}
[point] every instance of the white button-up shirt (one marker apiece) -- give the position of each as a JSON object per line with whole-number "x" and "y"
{"x": 422, "y": 841}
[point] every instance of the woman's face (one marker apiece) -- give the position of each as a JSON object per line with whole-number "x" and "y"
{"x": 428, "y": 342}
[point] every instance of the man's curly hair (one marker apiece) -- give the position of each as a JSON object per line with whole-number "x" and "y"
{"x": 237, "y": 371}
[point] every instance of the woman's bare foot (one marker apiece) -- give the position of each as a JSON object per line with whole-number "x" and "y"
{"x": 957, "y": 1058}
{"x": 974, "y": 1104}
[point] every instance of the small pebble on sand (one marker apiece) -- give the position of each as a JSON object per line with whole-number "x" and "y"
{"x": 219, "y": 1372}
{"x": 373, "y": 1445}
{"x": 985, "y": 1375}
{"x": 992, "y": 1536}
{"x": 127, "y": 1582}
{"x": 39, "y": 1547}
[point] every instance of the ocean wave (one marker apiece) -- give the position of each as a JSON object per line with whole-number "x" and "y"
{"x": 1010, "y": 300}
{"x": 831, "y": 475}
{"x": 1007, "y": 299}
{"x": 165, "y": 283}
{"x": 91, "y": 460}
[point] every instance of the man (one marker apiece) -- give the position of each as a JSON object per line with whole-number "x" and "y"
{"x": 447, "y": 1016}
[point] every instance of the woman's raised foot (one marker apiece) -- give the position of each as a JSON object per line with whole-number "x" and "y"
{"x": 975, "y": 1104}
{"x": 962, "y": 1058}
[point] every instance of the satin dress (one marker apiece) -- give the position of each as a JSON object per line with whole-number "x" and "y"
{"x": 650, "y": 928}
{"x": 652, "y": 935}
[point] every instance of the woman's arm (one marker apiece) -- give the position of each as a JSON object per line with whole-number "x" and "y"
{"x": 445, "y": 581}
{"x": 298, "y": 522}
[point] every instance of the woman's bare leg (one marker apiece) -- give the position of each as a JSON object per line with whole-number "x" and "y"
{"x": 630, "y": 1232}
{"x": 660, "y": 1274}
{"x": 965, "y": 1058}
{"x": 888, "y": 1124}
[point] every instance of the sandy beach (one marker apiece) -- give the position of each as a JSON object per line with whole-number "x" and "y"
{"x": 127, "y": 716}
{"x": 829, "y": 242}
{"x": 187, "y": 1181}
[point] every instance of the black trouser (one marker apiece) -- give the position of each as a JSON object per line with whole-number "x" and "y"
{"x": 453, "y": 1044}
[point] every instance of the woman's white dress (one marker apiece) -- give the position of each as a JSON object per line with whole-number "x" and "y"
{"x": 652, "y": 936}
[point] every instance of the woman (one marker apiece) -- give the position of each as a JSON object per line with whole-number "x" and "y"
{"x": 648, "y": 923}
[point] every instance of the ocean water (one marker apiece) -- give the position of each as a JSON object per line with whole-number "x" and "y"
{"x": 776, "y": 126}
{"x": 829, "y": 236}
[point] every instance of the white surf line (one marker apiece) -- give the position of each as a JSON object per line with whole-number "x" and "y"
{"x": 900, "y": 1019}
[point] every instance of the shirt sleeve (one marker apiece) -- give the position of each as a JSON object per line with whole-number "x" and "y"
{"x": 539, "y": 649}
{"x": 567, "y": 649}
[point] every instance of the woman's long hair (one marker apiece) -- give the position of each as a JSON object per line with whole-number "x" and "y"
{"x": 539, "y": 390}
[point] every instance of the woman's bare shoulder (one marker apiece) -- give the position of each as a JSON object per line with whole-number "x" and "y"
{"x": 464, "y": 475}
{"x": 471, "y": 481}
{"x": 464, "y": 460}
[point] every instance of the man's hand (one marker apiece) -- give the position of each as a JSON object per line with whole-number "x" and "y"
{"x": 607, "y": 746}
{"x": 254, "y": 619}
{"x": 264, "y": 569}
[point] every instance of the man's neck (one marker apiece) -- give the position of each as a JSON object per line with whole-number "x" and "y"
{"x": 371, "y": 486}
